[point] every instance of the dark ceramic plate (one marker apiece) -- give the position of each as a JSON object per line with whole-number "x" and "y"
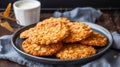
{"x": 16, "y": 43}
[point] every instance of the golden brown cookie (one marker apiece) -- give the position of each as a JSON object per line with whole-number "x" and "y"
{"x": 27, "y": 33}
{"x": 49, "y": 31}
{"x": 78, "y": 31}
{"x": 31, "y": 31}
{"x": 75, "y": 51}
{"x": 96, "y": 39}
{"x": 40, "y": 50}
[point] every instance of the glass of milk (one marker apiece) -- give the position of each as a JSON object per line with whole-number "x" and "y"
{"x": 27, "y": 12}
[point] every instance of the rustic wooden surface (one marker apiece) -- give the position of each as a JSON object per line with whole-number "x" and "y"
{"x": 109, "y": 20}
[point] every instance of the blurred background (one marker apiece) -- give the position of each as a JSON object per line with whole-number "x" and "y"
{"x": 55, "y": 4}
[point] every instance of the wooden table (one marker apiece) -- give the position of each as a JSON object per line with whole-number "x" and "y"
{"x": 110, "y": 20}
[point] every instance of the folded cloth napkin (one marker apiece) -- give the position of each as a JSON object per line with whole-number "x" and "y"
{"x": 110, "y": 59}
{"x": 80, "y": 14}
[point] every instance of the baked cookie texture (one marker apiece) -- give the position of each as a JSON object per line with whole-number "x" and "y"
{"x": 96, "y": 39}
{"x": 78, "y": 31}
{"x": 40, "y": 50}
{"x": 27, "y": 33}
{"x": 75, "y": 51}
{"x": 48, "y": 31}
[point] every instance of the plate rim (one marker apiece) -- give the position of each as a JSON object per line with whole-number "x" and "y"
{"x": 59, "y": 60}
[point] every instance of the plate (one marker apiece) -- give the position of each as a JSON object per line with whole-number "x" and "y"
{"x": 16, "y": 43}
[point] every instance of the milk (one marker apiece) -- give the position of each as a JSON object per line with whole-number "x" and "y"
{"x": 27, "y": 5}
{"x": 27, "y": 12}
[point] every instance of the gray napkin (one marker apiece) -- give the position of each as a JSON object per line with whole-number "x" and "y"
{"x": 116, "y": 38}
{"x": 110, "y": 59}
{"x": 80, "y": 14}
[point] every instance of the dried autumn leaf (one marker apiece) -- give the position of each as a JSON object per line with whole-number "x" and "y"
{"x": 7, "y": 26}
{"x": 7, "y": 11}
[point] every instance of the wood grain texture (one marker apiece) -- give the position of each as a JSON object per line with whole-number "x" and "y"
{"x": 7, "y": 63}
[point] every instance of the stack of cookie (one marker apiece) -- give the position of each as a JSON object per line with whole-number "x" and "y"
{"x": 62, "y": 38}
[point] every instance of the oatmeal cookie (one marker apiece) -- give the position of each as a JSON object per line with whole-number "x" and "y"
{"x": 40, "y": 50}
{"x": 48, "y": 32}
{"x": 75, "y": 51}
{"x": 27, "y": 33}
{"x": 96, "y": 39}
{"x": 78, "y": 31}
